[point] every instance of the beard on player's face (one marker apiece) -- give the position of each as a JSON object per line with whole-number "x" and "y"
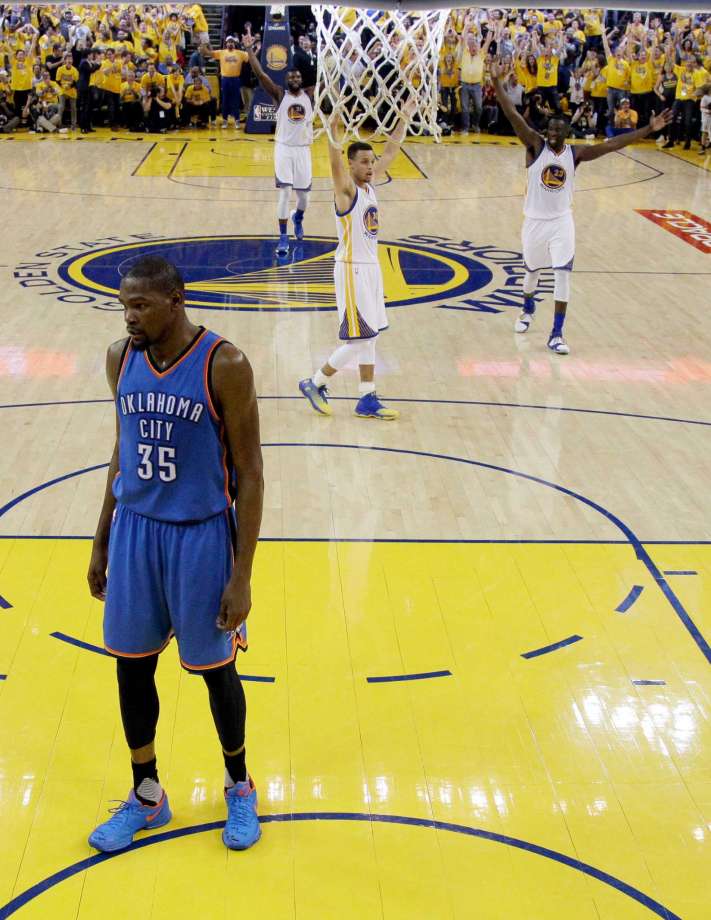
{"x": 149, "y": 313}
{"x": 293, "y": 82}
{"x": 556, "y": 133}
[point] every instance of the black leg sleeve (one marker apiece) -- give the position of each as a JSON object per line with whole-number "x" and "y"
{"x": 228, "y": 705}
{"x": 138, "y": 698}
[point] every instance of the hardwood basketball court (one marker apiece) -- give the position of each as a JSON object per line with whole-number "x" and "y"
{"x": 479, "y": 677}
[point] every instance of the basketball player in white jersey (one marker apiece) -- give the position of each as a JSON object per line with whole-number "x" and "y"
{"x": 357, "y": 273}
{"x": 292, "y": 145}
{"x": 548, "y": 234}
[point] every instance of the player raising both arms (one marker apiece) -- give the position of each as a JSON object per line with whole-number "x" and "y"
{"x": 548, "y": 234}
{"x": 357, "y": 274}
{"x": 292, "y": 144}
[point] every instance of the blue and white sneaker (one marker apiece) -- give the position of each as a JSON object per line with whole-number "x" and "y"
{"x": 526, "y": 316}
{"x": 242, "y": 828}
{"x": 298, "y": 225}
{"x": 369, "y": 406}
{"x": 126, "y": 820}
{"x": 317, "y": 396}
{"x": 283, "y": 244}
{"x": 558, "y": 344}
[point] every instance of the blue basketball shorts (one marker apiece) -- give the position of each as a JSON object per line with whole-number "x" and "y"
{"x": 167, "y": 579}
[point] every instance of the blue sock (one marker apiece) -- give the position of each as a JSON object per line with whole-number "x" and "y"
{"x": 529, "y": 304}
{"x": 283, "y": 227}
{"x": 558, "y": 320}
{"x": 298, "y": 215}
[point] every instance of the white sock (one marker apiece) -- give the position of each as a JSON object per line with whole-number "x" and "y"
{"x": 365, "y": 388}
{"x": 150, "y": 790}
{"x": 319, "y": 378}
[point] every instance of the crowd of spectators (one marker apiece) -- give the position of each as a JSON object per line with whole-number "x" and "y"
{"x": 606, "y": 71}
{"x": 70, "y": 67}
{"x": 143, "y": 68}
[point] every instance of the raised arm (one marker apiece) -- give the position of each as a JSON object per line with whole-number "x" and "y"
{"x": 276, "y": 92}
{"x": 392, "y": 147}
{"x": 343, "y": 185}
{"x": 491, "y": 31}
{"x": 583, "y": 154}
{"x": 525, "y": 133}
{"x": 606, "y": 46}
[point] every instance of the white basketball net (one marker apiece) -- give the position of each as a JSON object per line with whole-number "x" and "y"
{"x": 371, "y": 62}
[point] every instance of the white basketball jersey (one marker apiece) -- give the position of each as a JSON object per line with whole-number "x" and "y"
{"x": 294, "y": 120}
{"x": 550, "y": 184}
{"x": 358, "y": 229}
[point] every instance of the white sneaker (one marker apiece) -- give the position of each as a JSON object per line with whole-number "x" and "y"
{"x": 524, "y": 321}
{"x": 224, "y": 124}
{"x": 64, "y": 130}
{"x": 558, "y": 344}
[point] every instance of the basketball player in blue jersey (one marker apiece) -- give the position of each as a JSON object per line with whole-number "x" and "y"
{"x": 357, "y": 274}
{"x": 548, "y": 234}
{"x": 292, "y": 145}
{"x": 179, "y": 564}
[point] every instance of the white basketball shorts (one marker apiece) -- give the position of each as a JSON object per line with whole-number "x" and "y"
{"x": 360, "y": 300}
{"x": 292, "y": 166}
{"x": 548, "y": 243}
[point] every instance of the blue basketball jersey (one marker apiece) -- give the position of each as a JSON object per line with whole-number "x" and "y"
{"x": 174, "y": 463}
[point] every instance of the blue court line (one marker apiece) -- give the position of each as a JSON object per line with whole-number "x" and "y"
{"x": 625, "y": 605}
{"x": 6, "y": 605}
{"x": 551, "y": 648}
{"x": 655, "y": 907}
{"x": 632, "y": 538}
{"x": 257, "y": 678}
{"x": 87, "y": 646}
{"x": 403, "y": 399}
{"x": 422, "y": 676}
{"x": 453, "y": 306}
{"x": 680, "y": 572}
{"x": 640, "y": 552}
{"x": 649, "y": 683}
{"x": 88, "y": 536}
{"x": 45, "y": 485}
{"x": 56, "y": 402}
{"x": 523, "y": 541}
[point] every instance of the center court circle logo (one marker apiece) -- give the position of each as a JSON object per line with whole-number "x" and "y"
{"x": 239, "y": 272}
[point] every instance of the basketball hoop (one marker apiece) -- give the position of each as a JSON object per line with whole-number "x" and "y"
{"x": 371, "y": 62}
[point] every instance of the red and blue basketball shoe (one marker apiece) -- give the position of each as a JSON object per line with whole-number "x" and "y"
{"x": 126, "y": 820}
{"x": 242, "y": 828}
